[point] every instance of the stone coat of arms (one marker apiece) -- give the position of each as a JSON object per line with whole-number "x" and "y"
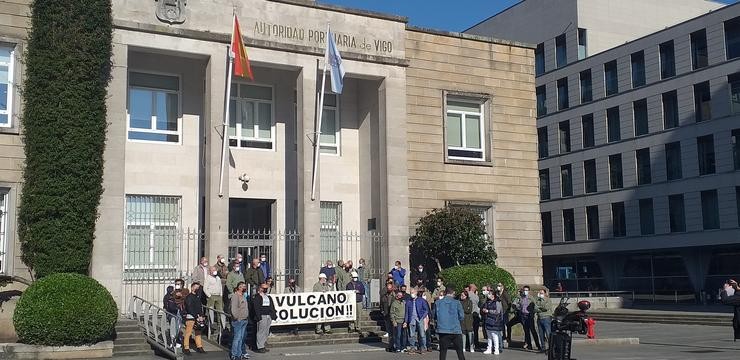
{"x": 171, "y": 11}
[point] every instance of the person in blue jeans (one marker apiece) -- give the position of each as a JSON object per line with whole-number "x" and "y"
{"x": 449, "y": 313}
{"x": 398, "y": 320}
{"x": 417, "y": 318}
{"x": 239, "y": 316}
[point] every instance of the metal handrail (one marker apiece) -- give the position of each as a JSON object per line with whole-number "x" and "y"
{"x": 160, "y": 326}
{"x": 212, "y": 321}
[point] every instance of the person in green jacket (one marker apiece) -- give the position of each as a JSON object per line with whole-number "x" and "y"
{"x": 467, "y": 324}
{"x": 342, "y": 276}
{"x": 234, "y": 277}
{"x": 398, "y": 320}
{"x": 323, "y": 285}
{"x": 543, "y": 309}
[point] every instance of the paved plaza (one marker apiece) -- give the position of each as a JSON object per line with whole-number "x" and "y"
{"x": 657, "y": 342}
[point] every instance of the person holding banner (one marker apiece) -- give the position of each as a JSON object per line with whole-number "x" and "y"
{"x": 264, "y": 314}
{"x": 323, "y": 285}
{"x": 359, "y": 289}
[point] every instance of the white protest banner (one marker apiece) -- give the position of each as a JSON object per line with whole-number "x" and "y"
{"x": 314, "y": 307}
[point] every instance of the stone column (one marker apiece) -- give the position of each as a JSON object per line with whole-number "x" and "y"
{"x": 217, "y": 208}
{"x": 309, "y": 215}
{"x": 393, "y": 168}
{"x": 106, "y": 265}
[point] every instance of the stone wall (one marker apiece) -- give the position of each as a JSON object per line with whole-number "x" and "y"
{"x": 508, "y": 183}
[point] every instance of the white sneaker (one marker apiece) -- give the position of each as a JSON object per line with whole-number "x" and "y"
{"x": 487, "y": 352}
{"x": 496, "y": 353}
{"x": 465, "y": 350}
{"x": 472, "y": 348}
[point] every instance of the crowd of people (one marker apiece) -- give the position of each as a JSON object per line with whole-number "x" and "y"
{"x": 414, "y": 316}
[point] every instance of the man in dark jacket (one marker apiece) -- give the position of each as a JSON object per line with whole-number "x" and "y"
{"x": 264, "y": 314}
{"x": 254, "y": 276}
{"x": 385, "y": 307}
{"x": 193, "y": 313}
{"x": 505, "y": 298}
{"x": 359, "y": 289}
{"x": 417, "y": 321}
{"x": 730, "y": 295}
{"x": 419, "y": 277}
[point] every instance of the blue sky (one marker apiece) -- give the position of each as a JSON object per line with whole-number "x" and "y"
{"x": 456, "y": 15}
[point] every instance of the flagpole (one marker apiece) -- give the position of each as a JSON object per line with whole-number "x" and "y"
{"x": 317, "y": 134}
{"x": 225, "y": 142}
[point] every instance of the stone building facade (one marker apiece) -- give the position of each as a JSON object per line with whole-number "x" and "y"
{"x": 426, "y": 119}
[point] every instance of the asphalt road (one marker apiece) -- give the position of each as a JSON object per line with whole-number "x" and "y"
{"x": 657, "y": 342}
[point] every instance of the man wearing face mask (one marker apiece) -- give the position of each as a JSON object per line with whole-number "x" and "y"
{"x": 234, "y": 277}
{"x": 213, "y": 289}
{"x": 543, "y": 309}
{"x": 201, "y": 271}
{"x": 505, "y": 298}
{"x": 417, "y": 316}
{"x": 419, "y": 277}
{"x": 361, "y": 273}
{"x": 525, "y": 309}
{"x": 254, "y": 276}
{"x": 328, "y": 269}
{"x": 385, "y": 308}
{"x": 223, "y": 268}
{"x": 240, "y": 318}
{"x": 323, "y": 285}
{"x": 264, "y": 314}
{"x": 342, "y": 276}
{"x": 439, "y": 291}
{"x": 399, "y": 274}
{"x": 265, "y": 266}
{"x": 359, "y": 289}
{"x": 730, "y": 295}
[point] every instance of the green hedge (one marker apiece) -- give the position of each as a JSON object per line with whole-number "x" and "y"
{"x": 65, "y": 309}
{"x": 68, "y": 66}
{"x": 480, "y": 274}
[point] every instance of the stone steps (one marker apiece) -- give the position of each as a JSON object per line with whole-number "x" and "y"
{"x": 130, "y": 341}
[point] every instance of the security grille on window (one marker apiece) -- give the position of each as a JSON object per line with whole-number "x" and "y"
{"x": 7, "y": 62}
{"x": 482, "y": 211}
{"x": 250, "y": 118}
{"x": 154, "y": 107}
{"x": 465, "y": 129}
{"x": 331, "y": 230}
{"x": 329, "y": 140}
{"x": 3, "y": 221}
{"x": 152, "y": 229}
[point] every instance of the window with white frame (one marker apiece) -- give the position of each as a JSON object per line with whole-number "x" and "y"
{"x": 152, "y": 234}
{"x": 7, "y": 62}
{"x": 3, "y": 228}
{"x": 154, "y": 107}
{"x": 465, "y": 129}
{"x": 482, "y": 210}
{"x": 250, "y": 117}
{"x": 330, "y": 128}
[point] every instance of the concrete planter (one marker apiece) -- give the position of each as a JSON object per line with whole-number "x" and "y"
{"x": 22, "y": 351}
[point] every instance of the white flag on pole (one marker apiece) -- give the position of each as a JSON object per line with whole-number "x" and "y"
{"x": 334, "y": 59}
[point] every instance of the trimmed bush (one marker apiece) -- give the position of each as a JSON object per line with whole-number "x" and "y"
{"x": 65, "y": 309}
{"x": 480, "y": 274}
{"x": 68, "y": 66}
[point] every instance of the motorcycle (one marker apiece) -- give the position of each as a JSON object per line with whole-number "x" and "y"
{"x": 564, "y": 324}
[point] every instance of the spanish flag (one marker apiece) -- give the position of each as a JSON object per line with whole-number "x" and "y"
{"x": 241, "y": 61}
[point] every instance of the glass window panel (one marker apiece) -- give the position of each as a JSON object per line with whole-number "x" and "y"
{"x": 647, "y": 223}
{"x": 154, "y": 81}
{"x": 638, "y": 69}
{"x": 667, "y": 60}
{"x": 3, "y": 74}
{"x": 265, "y": 121}
{"x": 463, "y": 106}
{"x": 546, "y": 227}
{"x": 587, "y": 127}
{"x": 140, "y": 108}
{"x": 569, "y": 225}
{"x": 5, "y": 54}
{"x": 710, "y": 209}
{"x": 166, "y": 111}
{"x": 676, "y": 214}
{"x": 472, "y": 131}
{"x": 732, "y": 38}
{"x": 542, "y": 142}
{"x": 454, "y": 130}
{"x": 328, "y": 127}
{"x": 539, "y": 59}
{"x": 247, "y": 118}
{"x": 330, "y": 100}
{"x": 3, "y": 96}
{"x": 233, "y": 113}
{"x": 545, "y": 184}
{"x": 592, "y": 222}
{"x": 256, "y": 92}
